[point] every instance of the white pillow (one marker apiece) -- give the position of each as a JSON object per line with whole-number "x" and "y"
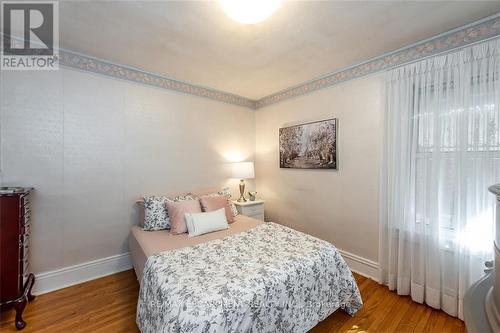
{"x": 202, "y": 223}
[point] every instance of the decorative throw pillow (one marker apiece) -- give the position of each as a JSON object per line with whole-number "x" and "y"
{"x": 177, "y": 212}
{"x": 155, "y": 212}
{"x": 202, "y": 223}
{"x": 225, "y": 191}
{"x": 211, "y": 203}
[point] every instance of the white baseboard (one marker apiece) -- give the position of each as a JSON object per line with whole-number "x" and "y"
{"x": 362, "y": 266}
{"x": 69, "y": 276}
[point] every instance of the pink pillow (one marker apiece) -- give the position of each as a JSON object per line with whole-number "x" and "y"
{"x": 211, "y": 203}
{"x": 177, "y": 211}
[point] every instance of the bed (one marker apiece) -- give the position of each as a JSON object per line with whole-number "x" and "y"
{"x": 253, "y": 277}
{"x": 143, "y": 244}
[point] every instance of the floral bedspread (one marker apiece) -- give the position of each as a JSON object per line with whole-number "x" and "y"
{"x": 268, "y": 279}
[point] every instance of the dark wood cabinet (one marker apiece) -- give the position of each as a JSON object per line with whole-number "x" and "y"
{"x": 15, "y": 280}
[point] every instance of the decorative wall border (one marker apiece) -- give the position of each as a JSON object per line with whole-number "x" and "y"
{"x": 478, "y": 31}
{"x": 91, "y": 64}
{"x": 466, "y": 35}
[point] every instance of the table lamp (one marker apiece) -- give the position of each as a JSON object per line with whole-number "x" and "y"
{"x": 242, "y": 171}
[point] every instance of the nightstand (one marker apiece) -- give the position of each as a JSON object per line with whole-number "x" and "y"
{"x": 253, "y": 209}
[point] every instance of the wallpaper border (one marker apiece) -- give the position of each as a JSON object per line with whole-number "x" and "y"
{"x": 90, "y": 64}
{"x": 472, "y": 33}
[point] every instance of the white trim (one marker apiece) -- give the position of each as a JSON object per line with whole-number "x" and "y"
{"x": 68, "y": 276}
{"x": 362, "y": 266}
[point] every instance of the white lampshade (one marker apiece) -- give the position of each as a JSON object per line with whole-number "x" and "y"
{"x": 243, "y": 170}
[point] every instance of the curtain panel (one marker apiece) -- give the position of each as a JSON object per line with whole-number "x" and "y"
{"x": 441, "y": 152}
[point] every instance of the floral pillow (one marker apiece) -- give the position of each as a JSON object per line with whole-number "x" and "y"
{"x": 155, "y": 212}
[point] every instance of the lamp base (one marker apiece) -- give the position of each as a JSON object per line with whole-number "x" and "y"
{"x": 242, "y": 191}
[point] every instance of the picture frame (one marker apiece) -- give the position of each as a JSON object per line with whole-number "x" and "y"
{"x": 311, "y": 145}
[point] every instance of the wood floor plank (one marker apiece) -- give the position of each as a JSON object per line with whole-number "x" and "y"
{"x": 109, "y": 305}
{"x": 415, "y": 316}
{"x": 370, "y": 304}
{"x": 385, "y": 311}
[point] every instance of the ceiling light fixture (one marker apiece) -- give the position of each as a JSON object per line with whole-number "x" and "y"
{"x": 249, "y": 11}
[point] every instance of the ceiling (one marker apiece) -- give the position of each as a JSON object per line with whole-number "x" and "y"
{"x": 195, "y": 42}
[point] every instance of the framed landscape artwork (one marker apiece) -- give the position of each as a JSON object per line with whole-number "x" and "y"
{"x": 309, "y": 146}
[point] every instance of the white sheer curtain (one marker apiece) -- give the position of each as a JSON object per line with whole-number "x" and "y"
{"x": 441, "y": 152}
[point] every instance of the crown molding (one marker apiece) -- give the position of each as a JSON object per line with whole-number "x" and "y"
{"x": 475, "y": 32}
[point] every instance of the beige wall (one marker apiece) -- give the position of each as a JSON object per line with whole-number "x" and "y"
{"x": 90, "y": 145}
{"x": 338, "y": 206}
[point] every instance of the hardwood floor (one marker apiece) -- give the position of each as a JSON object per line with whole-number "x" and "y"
{"x": 108, "y": 305}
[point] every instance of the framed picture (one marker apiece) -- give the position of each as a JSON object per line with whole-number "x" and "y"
{"x": 309, "y": 146}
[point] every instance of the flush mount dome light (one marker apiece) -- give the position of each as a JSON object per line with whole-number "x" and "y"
{"x": 249, "y": 11}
